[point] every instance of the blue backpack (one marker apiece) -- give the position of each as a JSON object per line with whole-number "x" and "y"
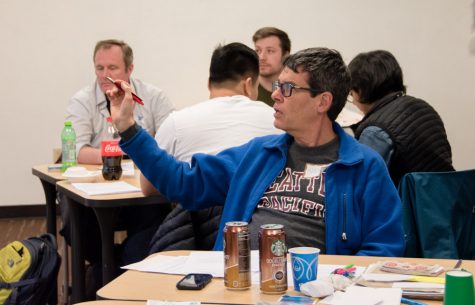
{"x": 28, "y": 270}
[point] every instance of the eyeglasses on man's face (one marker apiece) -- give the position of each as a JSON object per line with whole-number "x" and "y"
{"x": 286, "y": 88}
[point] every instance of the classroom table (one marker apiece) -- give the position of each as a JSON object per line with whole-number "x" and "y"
{"x": 142, "y": 286}
{"x": 113, "y": 302}
{"x": 48, "y": 178}
{"x": 49, "y": 175}
{"x": 105, "y": 208}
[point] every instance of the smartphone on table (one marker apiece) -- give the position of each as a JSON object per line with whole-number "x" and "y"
{"x": 194, "y": 281}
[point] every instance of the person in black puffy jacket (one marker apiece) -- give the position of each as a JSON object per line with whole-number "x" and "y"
{"x": 406, "y": 131}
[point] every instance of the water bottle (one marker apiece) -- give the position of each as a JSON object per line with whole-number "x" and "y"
{"x": 68, "y": 146}
{"x": 111, "y": 154}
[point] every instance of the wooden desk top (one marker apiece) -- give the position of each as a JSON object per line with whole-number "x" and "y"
{"x": 53, "y": 176}
{"x": 113, "y": 302}
{"x": 42, "y": 170}
{"x": 112, "y": 200}
{"x": 135, "y": 285}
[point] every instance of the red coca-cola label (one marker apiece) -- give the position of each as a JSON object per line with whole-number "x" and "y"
{"x": 110, "y": 148}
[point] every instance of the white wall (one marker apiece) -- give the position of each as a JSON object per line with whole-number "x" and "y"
{"x": 46, "y": 56}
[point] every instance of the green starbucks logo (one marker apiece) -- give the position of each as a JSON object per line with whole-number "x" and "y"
{"x": 278, "y": 247}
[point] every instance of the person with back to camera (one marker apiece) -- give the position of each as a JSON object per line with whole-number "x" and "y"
{"x": 407, "y": 132}
{"x": 272, "y": 46}
{"x": 88, "y": 110}
{"x": 231, "y": 117}
{"x": 328, "y": 190}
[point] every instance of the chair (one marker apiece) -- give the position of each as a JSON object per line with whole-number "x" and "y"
{"x": 439, "y": 214}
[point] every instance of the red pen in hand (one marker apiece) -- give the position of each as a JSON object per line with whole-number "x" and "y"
{"x": 134, "y": 96}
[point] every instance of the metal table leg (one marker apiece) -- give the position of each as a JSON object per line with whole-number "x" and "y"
{"x": 106, "y": 217}
{"x": 77, "y": 252}
{"x": 50, "y": 195}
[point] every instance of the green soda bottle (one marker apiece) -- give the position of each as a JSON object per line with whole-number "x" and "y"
{"x": 68, "y": 146}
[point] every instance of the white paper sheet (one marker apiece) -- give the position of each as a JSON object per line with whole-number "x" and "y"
{"x": 356, "y": 295}
{"x": 119, "y": 187}
{"x": 206, "y": 262}
{"x": 156, "y": 302}
{"x": 128, "y": 169}
{"x": 160, "y": 264}
{"x": 212, "y": 262}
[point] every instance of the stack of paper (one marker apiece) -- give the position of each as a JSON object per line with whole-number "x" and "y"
{"x": 411, "y": 268}
{"x": 424, "y": 287}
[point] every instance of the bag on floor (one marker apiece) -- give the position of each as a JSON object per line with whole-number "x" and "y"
{"x": 28, "y": 270}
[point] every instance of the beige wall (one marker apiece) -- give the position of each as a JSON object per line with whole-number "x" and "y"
{"x": 46, "y": 47}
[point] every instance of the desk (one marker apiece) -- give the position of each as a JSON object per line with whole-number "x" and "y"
{"x": 135, "y": 285}
{"x": 114, "y": 302}
{"x": 105, "y": 208}
{"x": 48, "y": 179}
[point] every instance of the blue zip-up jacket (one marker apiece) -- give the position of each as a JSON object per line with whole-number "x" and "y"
{"x": 363, "y": 209}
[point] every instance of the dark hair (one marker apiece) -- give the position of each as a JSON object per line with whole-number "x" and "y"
{"x": 127, "y": 52}
{"x": 374, "y": 75}
{"x": 233, "y": 62}
{"x": 326, "y": 72}
{"x": 271, "y": 31}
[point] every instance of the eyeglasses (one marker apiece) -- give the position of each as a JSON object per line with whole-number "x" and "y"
{"x": 286, "y": 88}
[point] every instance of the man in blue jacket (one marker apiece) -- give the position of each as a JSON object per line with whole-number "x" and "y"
{"x": 328, "y": 190}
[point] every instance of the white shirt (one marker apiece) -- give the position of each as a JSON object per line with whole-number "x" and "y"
{"x": 88, "y": 112}
{"x": 214, "y": 125}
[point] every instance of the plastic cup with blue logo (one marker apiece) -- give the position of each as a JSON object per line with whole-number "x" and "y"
{"x": 304, "y": 261}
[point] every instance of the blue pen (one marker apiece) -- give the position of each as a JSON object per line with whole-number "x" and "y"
{"x": 411, "y": 302}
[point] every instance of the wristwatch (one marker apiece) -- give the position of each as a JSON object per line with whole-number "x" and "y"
{"x": 130, "y": 132}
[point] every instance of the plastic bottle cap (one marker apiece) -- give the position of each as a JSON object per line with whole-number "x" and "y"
{"x": 67, "y": 123}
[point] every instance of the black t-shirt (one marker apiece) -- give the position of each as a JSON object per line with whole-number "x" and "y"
{"x": 298, "y": 192}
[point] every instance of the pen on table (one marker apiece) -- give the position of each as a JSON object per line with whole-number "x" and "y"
{"x": 458, "y": 264}
{"x": 411, "y": 302}
{"x": 134, "y": 96}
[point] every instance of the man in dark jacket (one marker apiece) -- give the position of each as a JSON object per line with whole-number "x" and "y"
{"x": 406, "y": 131}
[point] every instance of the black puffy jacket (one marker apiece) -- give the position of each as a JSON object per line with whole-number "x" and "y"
{"x": 187, "y": 230}
{"x": 417, "y": 131}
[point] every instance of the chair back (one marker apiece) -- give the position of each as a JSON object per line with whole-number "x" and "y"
{"x": 439, "y": 214}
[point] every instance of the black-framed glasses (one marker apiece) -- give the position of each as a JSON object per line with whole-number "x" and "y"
{"x": 286, "y": 88}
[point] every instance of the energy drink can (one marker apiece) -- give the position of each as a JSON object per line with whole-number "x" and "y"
{"x": 237, "y": 256}
{"x": 272, "y": 259}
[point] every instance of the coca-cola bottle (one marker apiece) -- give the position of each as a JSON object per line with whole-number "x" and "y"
{"x": 111, "y": 154}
